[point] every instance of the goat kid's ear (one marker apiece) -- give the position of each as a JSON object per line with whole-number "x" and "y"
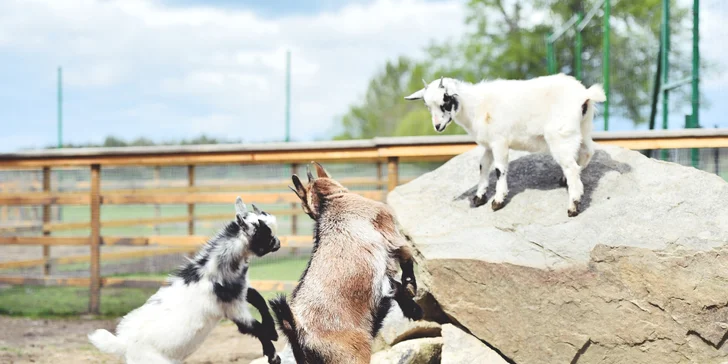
{"x": 417, "y": 95}
{"x": 299, "y": 190}
{"x": 257, "y": 210}
{"x": 320, "y": 171}
{"x": 240, "y": 208}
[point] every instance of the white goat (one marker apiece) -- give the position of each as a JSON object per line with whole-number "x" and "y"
{"x": 175, "y": 321}
{"x": 545, "y": 114}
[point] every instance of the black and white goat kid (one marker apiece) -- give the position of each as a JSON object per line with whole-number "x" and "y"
{"x": 175, "y": 321}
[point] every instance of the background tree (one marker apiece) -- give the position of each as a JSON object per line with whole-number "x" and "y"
{"x": 506, "y": 39}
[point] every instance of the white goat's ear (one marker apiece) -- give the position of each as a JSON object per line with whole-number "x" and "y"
{"x": 240, "y": 208}
{"x": 416, "y": 96}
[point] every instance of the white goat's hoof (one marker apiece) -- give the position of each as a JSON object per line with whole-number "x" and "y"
{"x": 574, "y": 209}
{"x": 497, "y": 205}
{"x": 478, "y": 201}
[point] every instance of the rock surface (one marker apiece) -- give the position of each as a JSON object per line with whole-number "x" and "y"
{"x": 416, "y": 351}
{"x": 397, "y": 328}
{"x": 640, "y": 276}
{"x": 461, "y": 348}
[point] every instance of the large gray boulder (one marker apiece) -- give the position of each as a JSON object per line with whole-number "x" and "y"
{"x": 640, "y": 276}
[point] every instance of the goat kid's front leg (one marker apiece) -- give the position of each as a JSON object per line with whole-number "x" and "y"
{"x": 500, "y": 155}
{"x": 268, "y": 325}
{"x": 255, "y": 328}
{"x": 406, "y": 263}
{"x": 486, "y": 161}
{"x": 410, "y": 308}
{"x": 265, "y": 332}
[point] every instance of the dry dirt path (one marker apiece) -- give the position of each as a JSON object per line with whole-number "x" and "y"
{"x": 25, "y": 340}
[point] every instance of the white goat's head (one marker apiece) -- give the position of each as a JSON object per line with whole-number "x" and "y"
{"x": 443, "y": 105}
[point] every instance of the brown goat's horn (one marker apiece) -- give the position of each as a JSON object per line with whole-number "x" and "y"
{"x": 308, "y": 173}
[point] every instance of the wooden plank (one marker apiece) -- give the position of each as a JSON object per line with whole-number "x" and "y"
{"x": 221, "y": 198}
{"x": 95, "y": 269}
{"x": 672, "y": 143}
{"x": 20, "y": 226}
{"x": 222, "y": 186}
{"x": 44, "y": 240}
{"x": 85, "y": 258}
{"x": 191, "y": 207}
{"x": 416, "y": 148}
{"x": 44, "y": 198}
{"x": 66, "y": 226}
{"x": 261, "y": 285}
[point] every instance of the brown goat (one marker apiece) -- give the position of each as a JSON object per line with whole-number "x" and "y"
{"x": 349, "y": 284}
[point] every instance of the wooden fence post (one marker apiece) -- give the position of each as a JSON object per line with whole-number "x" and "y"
{"x": 46, "y": 220}
{"x": 380, "y": 186}
{"x": 392, "y": 173}
{"x": 95, "y": 286}
{"x": 157, "y": 208}
{"x": 294, "y": 217}
{"x": 191, "y": 207}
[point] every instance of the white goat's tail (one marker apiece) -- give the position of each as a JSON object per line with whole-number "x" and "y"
{"x": 596, "y": 93}
{"x": 107, "y": 342}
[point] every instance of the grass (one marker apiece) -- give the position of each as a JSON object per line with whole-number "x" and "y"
{"x": 64, "y": 302}
{"x": 59, "y": 302}
{"x": 288, "y": 269}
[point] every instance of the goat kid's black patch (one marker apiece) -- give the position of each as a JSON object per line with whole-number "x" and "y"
{"x": 497, "y": 173}
{"x": 583, "y": 107}
{"x": 450, "y": 103}
{"x": 228, "y": 291}
{"x": 190, "y": 273}
{"x": 262, "y": 240}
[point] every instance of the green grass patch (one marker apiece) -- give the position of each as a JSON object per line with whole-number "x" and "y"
{"x": 289, "y": 269}
{"x": 58, "y": 302}
{"x": 68, "y": 302}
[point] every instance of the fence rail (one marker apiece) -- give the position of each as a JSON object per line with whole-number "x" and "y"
{"x": 381, "y": 151}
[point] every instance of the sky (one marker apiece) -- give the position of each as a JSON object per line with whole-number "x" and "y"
{"x": 174, "y": 69}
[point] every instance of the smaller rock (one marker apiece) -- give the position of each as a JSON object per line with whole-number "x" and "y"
{"x": 397, "y": 328}
{"x": 417, "y": 351}
{"x": 460, "y": 348}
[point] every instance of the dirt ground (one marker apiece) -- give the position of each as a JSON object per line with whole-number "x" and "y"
{"x": 25, "y": 340}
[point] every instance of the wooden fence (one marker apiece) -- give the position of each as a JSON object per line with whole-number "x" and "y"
{"x": 383, "y": 151}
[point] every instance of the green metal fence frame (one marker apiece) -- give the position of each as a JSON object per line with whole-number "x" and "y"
{"x": 579, "y": 21}
{"x": 662, "y": 85}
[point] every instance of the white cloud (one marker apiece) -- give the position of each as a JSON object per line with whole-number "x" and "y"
{"x": 229, "y": 62}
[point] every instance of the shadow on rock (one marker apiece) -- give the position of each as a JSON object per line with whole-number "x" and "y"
{"x": 541, "y": 172}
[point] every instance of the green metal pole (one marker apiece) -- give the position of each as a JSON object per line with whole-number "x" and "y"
{"x": 605, "y": 55}
{"x": 696, "y": 77}
{"x": 60, "y": 108}
{"x": 288, "y": 96}
{"x": 578, "y": 46}
{"x": 696, "y": 63}
{"x": 550, "y": 67}
{"x": 665, "y": 65}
